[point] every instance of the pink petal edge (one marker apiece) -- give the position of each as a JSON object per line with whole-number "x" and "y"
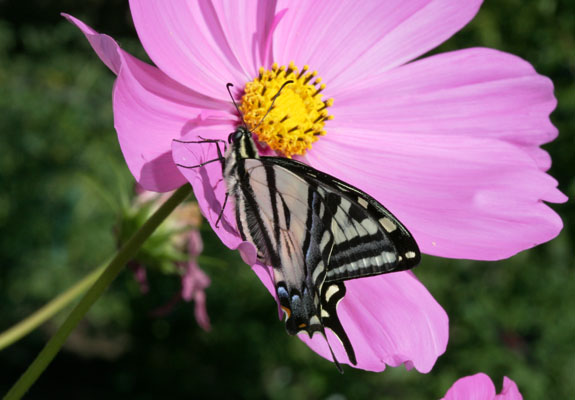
{"x": 150, "y": 110}
{"x": 201, "y": 44}
{"x": 474, "y": 387}
{"x": 510, "y": 391}
{"x": 480, "y": 387}
{"x": 474, "y": 92}
{"x": 374, "y": 37}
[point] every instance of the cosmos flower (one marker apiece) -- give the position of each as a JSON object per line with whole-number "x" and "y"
{"x": 480, "y": 387}
{"x": 448, "y": 143}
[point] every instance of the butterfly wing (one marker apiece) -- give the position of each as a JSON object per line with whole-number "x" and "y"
{"x": 316, "y": 232}
{"x": 368, "y": 239}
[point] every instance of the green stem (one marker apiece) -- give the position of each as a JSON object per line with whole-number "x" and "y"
{"x": 125, "y": 254}
{"x": 43, "y": 314}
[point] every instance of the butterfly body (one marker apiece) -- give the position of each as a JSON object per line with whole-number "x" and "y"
{"x": 314, "y": 230}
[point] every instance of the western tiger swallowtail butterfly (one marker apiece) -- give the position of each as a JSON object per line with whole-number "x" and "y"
{"x": 314, "y": 230}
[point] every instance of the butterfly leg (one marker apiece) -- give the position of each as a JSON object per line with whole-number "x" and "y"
{"x": 200, "y": 165}
{"x": 337, "y": 364}
{"x": 217, "y": 142}
{"x": 204, "y": 140}
{"x": 220, "y": 159}
{"x": 221, "y": 213}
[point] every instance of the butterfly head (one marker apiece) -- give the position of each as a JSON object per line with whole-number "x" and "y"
{"x": 242, "y": 143}
{"x": 237, "y": 135}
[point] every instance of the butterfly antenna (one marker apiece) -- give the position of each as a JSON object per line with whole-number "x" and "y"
{"x": 271, "y": 105}
{"x": 228, "y": 86}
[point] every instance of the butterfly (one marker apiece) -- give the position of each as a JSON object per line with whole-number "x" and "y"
{"x": 314, "y": 230}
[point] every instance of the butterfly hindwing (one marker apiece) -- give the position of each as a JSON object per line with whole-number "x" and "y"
{"x": 332, "y": 294}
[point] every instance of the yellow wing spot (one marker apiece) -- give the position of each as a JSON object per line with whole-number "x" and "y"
{"x": 303, "y": 325}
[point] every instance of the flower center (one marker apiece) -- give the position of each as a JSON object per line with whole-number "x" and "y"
{"x": 298, "y": 115}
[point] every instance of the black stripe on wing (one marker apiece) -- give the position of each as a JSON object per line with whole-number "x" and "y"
{"x": 331, "y": 295}
{"x": 361, "y": 248}
{"x": 251, "y": 222}
{"x": 368, "y": 239}
{"x": 290, "y": 210}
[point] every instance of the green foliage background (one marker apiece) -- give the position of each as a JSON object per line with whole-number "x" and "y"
{"x": 63, "y": 182}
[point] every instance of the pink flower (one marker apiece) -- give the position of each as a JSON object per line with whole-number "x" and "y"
{"x": 480, "y": 387}
{"x": 449, "y": 143}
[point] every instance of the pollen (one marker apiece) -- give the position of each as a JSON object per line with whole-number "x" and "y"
{"x": 296, "y": 119}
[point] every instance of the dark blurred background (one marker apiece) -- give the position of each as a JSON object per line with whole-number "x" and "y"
{"x": 64, "y": 187}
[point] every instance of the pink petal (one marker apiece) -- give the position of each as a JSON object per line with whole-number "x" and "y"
{"x": 204, "y": 45}
{"x": 460, "y": 196}
{"x": 349, "y": 42}
{"x": 474, "y": 387}
{"x": 510, "y": 391}
{"x": 150, "y": 109}
{"x": 247, "y": 26}
{"x": 474, "y": 92}
{"x": 390, "y": 320}
{"x": 106, "y": 47}
{"x": 146, "y": 123}
{"x": 209, "y": 187}
{"x": 149, "y": 77}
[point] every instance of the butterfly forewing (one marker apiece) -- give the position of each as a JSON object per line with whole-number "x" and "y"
{"x": 368, "y": 239}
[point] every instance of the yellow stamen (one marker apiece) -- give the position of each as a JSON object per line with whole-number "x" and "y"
{"x": 298, "y": 115}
